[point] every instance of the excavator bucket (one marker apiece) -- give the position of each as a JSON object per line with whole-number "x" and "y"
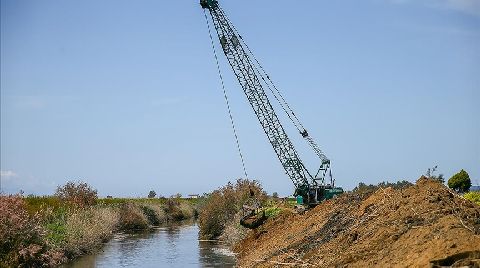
{"x": 252, "y": 221}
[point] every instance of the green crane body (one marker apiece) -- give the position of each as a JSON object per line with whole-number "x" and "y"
{"x": 246, "y": 68}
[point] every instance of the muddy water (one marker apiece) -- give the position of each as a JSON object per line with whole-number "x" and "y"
{"x": 174, "y": 245}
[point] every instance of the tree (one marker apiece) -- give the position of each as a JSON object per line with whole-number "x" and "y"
{"x": 460, "y": 182}
{"x": 80, "y": 194}
{"x": 275, "y": 195}
{"x": 152, "y": 194}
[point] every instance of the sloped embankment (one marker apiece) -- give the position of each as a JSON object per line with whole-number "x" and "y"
{"x": 419, "y": 226}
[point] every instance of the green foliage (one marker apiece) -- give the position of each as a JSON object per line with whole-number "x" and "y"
{"x": 56, "y": 233}
{"x": 152, "y": 194}
{"x": 364, "y": 188}
{"x": 272, "y": 211}
{"x": 275, "y": 195}
{"x": 121, "y": 201}
{"x": 55, "y": 225}
{"x": 157, "y": 201}
{"x": 473, "y": 196}
{"x": 151, "y": 215}
{"x": 36, "y": 204}
{"x": 460, "y": 182}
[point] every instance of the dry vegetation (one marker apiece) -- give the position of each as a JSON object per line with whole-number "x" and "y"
{"x": 47, "y": 231}
{"x": 221, "y": 209}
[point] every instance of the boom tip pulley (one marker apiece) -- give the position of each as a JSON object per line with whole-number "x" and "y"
{"x": 208, "y": 3}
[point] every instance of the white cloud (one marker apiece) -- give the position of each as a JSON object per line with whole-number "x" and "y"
{"x": 466, "y": 6}
{"x": 14, "y": 183}
{"x": 39, "y": 102}
{"x": 7, "y": 174}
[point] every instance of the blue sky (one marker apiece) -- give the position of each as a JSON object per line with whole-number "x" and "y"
{"x": 125, "y": 96}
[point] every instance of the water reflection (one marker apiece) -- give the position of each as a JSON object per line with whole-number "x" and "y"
{"x": 213, "y": 254}
{"x": 173, "y": 235}
{"x": 173, "y": 245}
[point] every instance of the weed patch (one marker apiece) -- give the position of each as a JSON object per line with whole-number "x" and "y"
{"x": 473, "y": 196}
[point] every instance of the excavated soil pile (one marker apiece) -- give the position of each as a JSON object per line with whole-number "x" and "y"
{"x": 425, "y": 225}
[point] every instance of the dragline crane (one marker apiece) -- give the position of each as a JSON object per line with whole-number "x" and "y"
{"x": 312, "y": 188}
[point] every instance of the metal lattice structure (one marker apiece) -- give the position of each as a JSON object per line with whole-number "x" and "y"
{"x": 248, "y": 72}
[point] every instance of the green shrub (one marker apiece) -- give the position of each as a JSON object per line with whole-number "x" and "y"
{"x": 460, "y": 182}
{"x": 151, "y": 215}
{"x": 473, "y": 196}
{"x": 272, "y": 211}
{"x": 363, "y": 188}
{"x": 55, "y": 224}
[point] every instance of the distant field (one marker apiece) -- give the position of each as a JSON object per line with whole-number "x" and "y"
{"x": 37, "y": 203}
{"x": 120, "y": 200}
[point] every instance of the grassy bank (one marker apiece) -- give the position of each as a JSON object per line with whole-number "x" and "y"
{"x": 47, "y": 231}
{"x": 473, "y": 196}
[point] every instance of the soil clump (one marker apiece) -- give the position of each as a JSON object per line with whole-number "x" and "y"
{"x": 424, "y": 225}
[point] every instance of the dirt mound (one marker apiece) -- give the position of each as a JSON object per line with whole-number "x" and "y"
{"x": 419, "y": 226}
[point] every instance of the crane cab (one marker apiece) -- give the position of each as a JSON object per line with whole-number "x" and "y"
{"x": 318, "y": 194}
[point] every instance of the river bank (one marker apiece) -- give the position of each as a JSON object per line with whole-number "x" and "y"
{"x": 46, "y": 231}
{"x": 422, "y": 225}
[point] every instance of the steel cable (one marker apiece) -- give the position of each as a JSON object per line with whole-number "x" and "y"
{"x": 226, "y": 96}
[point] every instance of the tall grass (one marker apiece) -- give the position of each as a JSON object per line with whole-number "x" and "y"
{"x": 87, "y": 229}
{"x": 46, "y": 231}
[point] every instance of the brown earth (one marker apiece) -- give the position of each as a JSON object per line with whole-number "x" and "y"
{"x": 425, "y": 225}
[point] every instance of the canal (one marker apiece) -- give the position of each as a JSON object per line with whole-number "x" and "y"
{"x": 172, "y": 245}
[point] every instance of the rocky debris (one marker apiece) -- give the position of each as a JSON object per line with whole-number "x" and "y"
{"x": 425, "y": 225}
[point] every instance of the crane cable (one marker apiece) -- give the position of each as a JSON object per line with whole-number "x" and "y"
{"x": 280, "y": 99}
{"x": 225, "y": 96}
